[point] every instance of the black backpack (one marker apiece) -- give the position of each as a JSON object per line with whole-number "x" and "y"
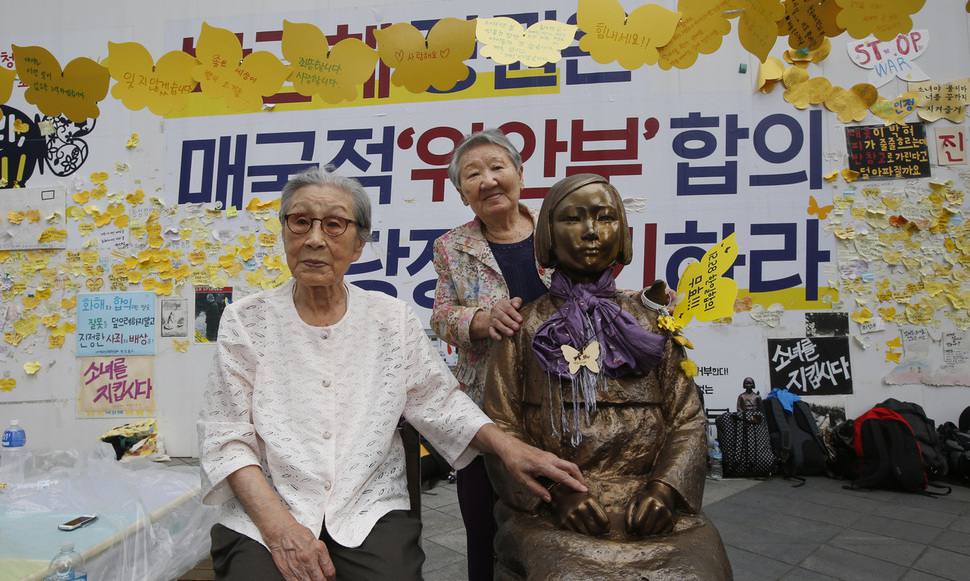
{"x": 924, "y": 429}
{"x": 745, "y": 445}
{"x": 890, "y": 453}
{"x": 956, "y": 447}
{"x": 845, "y": 463}
{"x": 795, "y": 439}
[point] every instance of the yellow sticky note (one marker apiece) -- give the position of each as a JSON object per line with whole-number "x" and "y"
{"x": 52, "y": 235}
{"x": 849, "y": 175}
{"x": 716, "y": 296}
{"x": 894, "y": 356}
{"x": 896, "y": 110}
{"x": 241, "y": 83}
{"x": 180, "y": 345}
{"x": 862, "y": 316}
{"x": 437, "y": 62}
{"x": 505, "y": 41}
{"x": 163, "y": 87}
{"x": 611, "y": 35}
{"x": 55, "y": 341}
{"x": 851, "y": 104}
{"x": 316, "y": 69}
{"x": 769, "y": 73}
{"x": 73, "y": 92}
{"x": 757, "y": 26}
{"x": 882, "y": 18}
{"x": 808, "y": 22}
{"x": 7, "y": 384}
{"x": 702, "y": 26}
{"x": 231, "y": 212}
{"x": 31, "y": 367}
{"x": 136, "y": 197}
{"x": 134, "y": 138}
{"x": 6, "y": 83}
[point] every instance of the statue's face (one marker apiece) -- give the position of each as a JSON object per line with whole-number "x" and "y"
{"x": 586, "y": 237}
{"x": 748, "y": 383}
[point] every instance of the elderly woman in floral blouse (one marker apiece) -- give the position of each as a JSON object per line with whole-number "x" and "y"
{"x": 298, "y": 436}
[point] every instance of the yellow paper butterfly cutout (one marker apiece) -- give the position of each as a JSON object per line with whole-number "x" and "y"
{"x": 588, "y": 357}
{"x": 702, "y": 26}
{"x": 437, "y": 62}
{"x": 505, "y": 41}
{"x": 316, "y": 68}
{"x": 73, "y": 92}
{"x": 241, "y": 83}
{"x": 896, "y": 110}
{"x": 705, "y": 294}
{"x": 757, "y": 27}
{"x": 611, "y": 35}
{"x": 140, "y": 82}
{"x": 821, "y": 211}
{"x": 882, "y": 18}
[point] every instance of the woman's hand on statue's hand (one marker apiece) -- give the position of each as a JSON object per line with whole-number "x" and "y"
{"x": 504, "y": 319}
{"x": 651, "y": 512}
{"x": 298, "y": 553}
{"x": 527, "y": 464}
{"x": 580, "y": 512}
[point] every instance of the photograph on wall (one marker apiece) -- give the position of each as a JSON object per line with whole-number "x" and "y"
{"x": 175, "y": 317}
{"x": 811, "y": 365}
{"x": 210, "y": 302}
{"x": 822, "y": 324}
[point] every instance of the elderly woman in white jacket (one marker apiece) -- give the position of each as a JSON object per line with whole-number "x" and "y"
{"x": 298, "y": 436}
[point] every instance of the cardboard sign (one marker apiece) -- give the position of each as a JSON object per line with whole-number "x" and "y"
{"x": 811, "y": 366}
{"x": 886, "y": 152}
{"x": 116, "y": 386}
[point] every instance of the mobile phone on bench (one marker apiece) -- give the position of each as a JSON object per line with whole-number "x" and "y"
{"x": 77, "y": 522}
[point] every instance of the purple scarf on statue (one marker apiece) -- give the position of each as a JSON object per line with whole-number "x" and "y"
{"x": 588, "y": 314}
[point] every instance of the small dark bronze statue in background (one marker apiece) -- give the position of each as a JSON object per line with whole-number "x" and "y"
{"x": 749, "y": 400}
{"x": 590, "y": 378}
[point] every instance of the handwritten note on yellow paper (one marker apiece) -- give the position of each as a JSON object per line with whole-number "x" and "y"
{"x": 611, "y": 35}
{"x": 73, "y": 92}
{"x": 757, "y": 27}
{"x": 895, "y": 111}
{"x": 943, "y": 100}
{"x": 882, "y": 18}
{"x": 52, "y": 234}
{"x": 851, "y": 104}
{"x": 140, "y": 82}
{"x": 808, "y": 22}
{"x": 7, "y": 384}
{"x": 6, "y": 83}
{"x": 180, "y": 345}
{"x": 702, "y": 26}
{"x": 437, "y": 62}
{"x": 505, "y": 41}
{"x": 224, "y": 74}
{"x": 705, "y": 294}
{"x": 317, "y": 69}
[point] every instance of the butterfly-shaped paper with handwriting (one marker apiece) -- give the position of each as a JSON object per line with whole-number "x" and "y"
{"x": 505, "y": 41}
{"x": 73, "y": 92}
{"x": 316, "y": 68}
{"x": 164, "y": 87}
{"x": 611, "y": 35}
{"x": 588, "y": 357}
{"x": 437, "y": 62}
{"x": 705, "y": 293}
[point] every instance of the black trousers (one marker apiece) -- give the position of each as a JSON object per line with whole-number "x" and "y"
{"x": 476, "y": 500}
{"x": 392, "y": 550}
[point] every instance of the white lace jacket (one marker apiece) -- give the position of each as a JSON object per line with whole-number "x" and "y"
{"x": 317, "y": 409}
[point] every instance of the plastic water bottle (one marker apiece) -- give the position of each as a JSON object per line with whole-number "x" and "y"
{"x": 715, "y": 456}
{"x": 68, "y": 565}
{"x": 12, "y": 458}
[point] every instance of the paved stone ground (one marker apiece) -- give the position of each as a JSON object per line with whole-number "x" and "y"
{"x": 773, "y": 531}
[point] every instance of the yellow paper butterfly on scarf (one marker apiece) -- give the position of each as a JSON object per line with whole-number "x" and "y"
{"x": 588, "y": 357}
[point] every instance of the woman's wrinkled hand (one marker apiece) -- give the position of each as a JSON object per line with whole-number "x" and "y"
{"x": 527, "y": 464}
{"x": 651, "y": 512}
{"x": 298, "y": 553}
{"x": 504, "y": 318}
{"x": 580, "y": 512}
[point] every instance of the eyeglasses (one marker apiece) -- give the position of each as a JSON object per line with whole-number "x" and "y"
{"x": 333, "y": 226}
